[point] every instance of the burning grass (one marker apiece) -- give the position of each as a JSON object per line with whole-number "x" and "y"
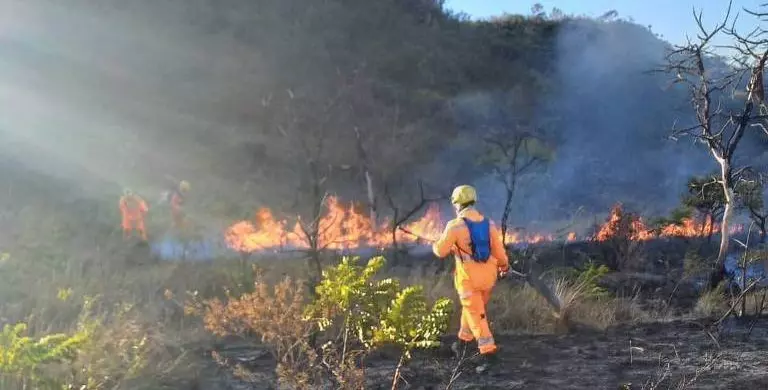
{"x": 621, "y": 223}
{"x": 344, "y": 227}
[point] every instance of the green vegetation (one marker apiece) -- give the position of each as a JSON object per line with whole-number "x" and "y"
{"x": 24, "y": 360}
{"x": 352, "y": 314}
{"x": 378, "y": 312}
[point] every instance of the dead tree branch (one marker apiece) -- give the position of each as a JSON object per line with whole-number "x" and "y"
{"x": 400, "y": 216}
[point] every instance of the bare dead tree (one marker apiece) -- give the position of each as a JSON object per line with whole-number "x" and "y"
{"x": 513, "y": 156}
{"x": 401, "y": 216}
{"x": 721, "y": 129}
{"x": 307, "y": 127}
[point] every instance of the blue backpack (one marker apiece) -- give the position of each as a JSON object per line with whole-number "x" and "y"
{"x": 480, "y": 239}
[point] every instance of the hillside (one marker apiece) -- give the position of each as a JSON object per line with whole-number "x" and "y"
{"x": 287, "y": 116}
{"x": 239, "y": 101}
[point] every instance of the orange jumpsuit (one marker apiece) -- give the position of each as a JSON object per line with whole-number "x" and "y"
{"x": 177, "y": 209}
{"x": 133, "y": 209}
{"x": 473, "y": 280}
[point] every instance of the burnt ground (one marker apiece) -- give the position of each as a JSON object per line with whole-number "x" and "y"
{"x": 669, "y": 352}
{"x": 676, "y": 354}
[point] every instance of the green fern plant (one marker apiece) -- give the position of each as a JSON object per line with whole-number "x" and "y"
{"x": 378, "y": 312}
{"x": 349, "y": 296}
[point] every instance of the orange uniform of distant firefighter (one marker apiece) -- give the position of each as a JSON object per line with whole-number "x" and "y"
{"x": 473, "y": 280}
{"x": 133, "y": 209}
{"x": 177, "y": 203}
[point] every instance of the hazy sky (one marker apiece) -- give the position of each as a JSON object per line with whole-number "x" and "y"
{"x": 670, "y": 18}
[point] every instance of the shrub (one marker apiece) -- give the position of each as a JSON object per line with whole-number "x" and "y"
{"x": 276, "y": 315}
{"x": 352, "y": 314}
{"x": 115, "y": 354}
{"x": 378, "y": 312}
{"x": 585, "y": 301}
{"x": 24, "y": 361}
{"x": 712, "y": 302}
{"x": 586, "y": 281}
{"x": 621, "y": 235}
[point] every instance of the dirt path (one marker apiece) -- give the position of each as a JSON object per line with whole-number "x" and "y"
{"x": 672, "y": 353}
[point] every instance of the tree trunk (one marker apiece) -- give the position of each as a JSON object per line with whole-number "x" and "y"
{"x": 718, "y": 272}
{"x": 709, "y": 224}
{"x": 395, "y": 249}
{"x": 371, "y": 199}
{"x": 710, "y": 230}
{"x": 368, "y": 179}
{"x": 505, "y": 216}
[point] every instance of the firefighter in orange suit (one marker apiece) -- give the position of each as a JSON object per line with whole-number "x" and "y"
{"x": 478, "y": 249}
{"x": 133, "y": 209}
{"x": 177, "y": 198}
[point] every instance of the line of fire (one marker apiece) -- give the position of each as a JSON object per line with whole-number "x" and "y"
{"x": 344, "y": 227}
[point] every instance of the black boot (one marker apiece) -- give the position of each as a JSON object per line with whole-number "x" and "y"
{"x": 459, "y": 348}
{"x": 486, "y": 363}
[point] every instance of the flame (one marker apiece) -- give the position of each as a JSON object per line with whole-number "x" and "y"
{"x": 619, "y": 223}
{"x": 344, "y": 227}
{"x": 244, "y": 236}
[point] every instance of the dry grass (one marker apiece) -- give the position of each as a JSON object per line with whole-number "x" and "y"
{"x": 712, "y": 302}
{"x": 520, "y": 309}
{"x": 275, "y": 314}
{"x": 516, "y": 307}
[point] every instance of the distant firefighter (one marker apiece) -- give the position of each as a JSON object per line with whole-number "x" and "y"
{"x": 176, "y": 199}
{"x": 133, "y": 209}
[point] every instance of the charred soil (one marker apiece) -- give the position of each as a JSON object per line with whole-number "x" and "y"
{"x": 660, "y": 355}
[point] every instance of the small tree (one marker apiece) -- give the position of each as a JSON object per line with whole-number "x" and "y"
{"x": 513, "y": 155}
{"x": 676, "y": 217}
{"x": 705, "y": 195}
